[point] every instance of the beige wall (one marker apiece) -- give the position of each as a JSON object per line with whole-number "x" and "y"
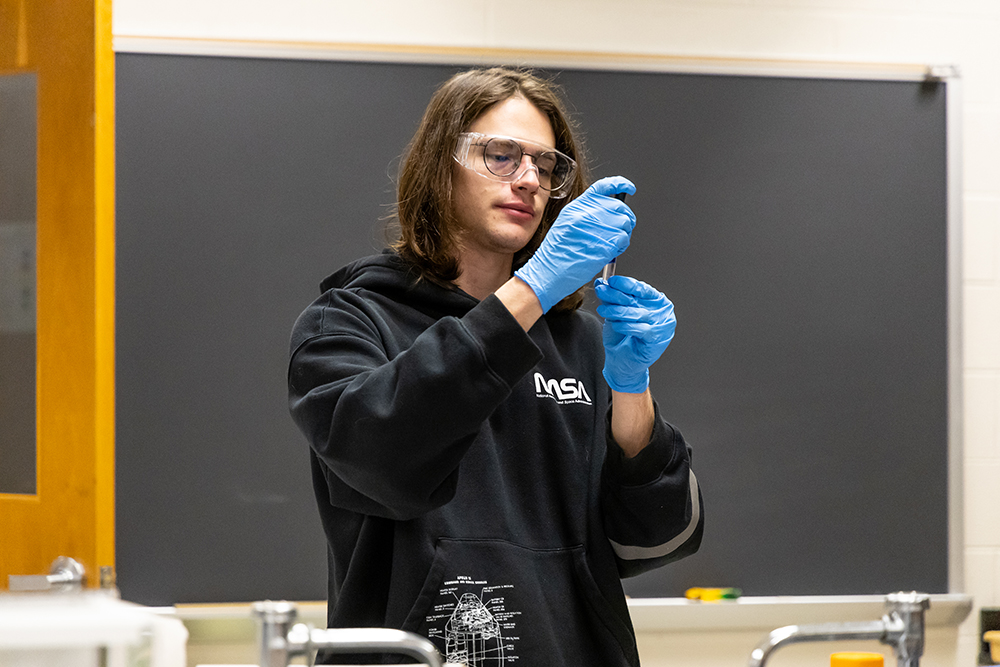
{"x": 965, "y": 33}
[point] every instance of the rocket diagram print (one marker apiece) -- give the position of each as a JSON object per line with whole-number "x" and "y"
{"x": 471, "y": 620}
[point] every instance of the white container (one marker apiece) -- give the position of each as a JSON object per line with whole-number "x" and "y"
{"x": 86, "y": 629}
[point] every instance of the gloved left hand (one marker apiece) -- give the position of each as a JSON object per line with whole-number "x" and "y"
{"x": 639, "y": 323}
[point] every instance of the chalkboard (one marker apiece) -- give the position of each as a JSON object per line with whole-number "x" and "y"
{"x": 799, "y": 225}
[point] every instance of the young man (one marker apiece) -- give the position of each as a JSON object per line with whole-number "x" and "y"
{"x": 487, "y": 462}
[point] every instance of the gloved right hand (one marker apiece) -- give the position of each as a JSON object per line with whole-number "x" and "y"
{"x": 589, "y": 232}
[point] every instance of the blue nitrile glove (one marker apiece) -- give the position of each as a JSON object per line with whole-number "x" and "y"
{"x": 590, "y": 231}
{"x": 638, "y": 325}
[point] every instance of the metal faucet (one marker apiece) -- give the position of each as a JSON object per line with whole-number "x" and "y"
{"x": 65, "y": 576}
{"x": 280, "y": 638}
{"x": 902, "y": 627}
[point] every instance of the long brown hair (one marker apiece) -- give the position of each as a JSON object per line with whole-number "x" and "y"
{"x": 424, "y": 212}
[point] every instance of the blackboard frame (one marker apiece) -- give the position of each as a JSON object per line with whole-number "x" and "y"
{"x": 130, "y": 560}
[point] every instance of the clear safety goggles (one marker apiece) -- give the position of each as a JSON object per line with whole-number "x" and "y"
{"x": 501, "y": 159}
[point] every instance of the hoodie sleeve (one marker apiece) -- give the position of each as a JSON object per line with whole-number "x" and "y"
{"x": 651, "y": 503}
{"x": 390, "y": 433}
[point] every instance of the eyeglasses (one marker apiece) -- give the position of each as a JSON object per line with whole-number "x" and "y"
{"x": 502, "y": 158}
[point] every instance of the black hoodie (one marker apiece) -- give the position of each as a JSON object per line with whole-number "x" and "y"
{"x": 466, "y": 477}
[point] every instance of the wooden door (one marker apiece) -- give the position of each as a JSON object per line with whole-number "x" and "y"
{"x": 67, "y": 45}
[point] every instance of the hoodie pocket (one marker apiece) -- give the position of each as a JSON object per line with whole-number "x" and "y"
{"x": 488, "y": 603}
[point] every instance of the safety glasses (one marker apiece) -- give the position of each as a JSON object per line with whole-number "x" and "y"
{"x": 500, "y": 158}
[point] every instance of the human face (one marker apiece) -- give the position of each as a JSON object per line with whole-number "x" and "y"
{"x": 497, "y": 219}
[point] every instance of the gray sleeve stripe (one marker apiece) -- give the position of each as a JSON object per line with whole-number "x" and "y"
{"x": 639, "y": 553}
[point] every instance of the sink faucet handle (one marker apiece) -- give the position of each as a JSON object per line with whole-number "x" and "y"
{"x": 908, "y": 609}
{"x": 908, "y": 601}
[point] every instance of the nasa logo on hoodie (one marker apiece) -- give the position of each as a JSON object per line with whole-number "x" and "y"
{"x": 567, "y": 390}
